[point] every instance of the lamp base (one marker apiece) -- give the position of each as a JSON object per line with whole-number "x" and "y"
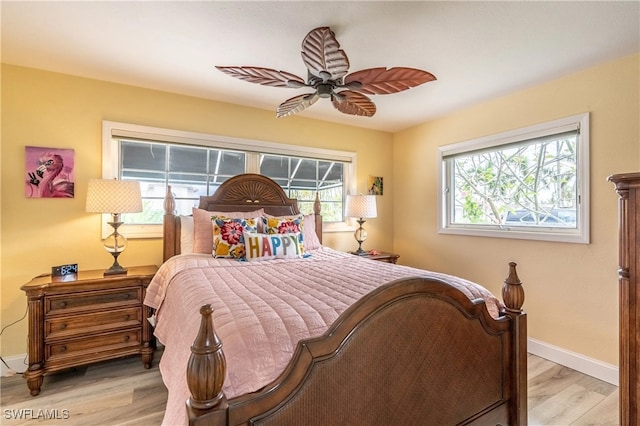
{"x": 361, "y": 236}
{"x": 360, "y": 252}
{"x": 115, "y": 244}
{"x": 115, "y": 270}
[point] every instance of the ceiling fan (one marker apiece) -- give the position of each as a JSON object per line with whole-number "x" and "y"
{"x": 327, "y": 67}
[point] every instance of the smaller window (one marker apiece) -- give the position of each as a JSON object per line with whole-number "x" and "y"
{"x": 531, "y": 183}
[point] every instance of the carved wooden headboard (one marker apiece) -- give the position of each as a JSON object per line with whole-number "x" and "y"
{"x": 240, "y": 193}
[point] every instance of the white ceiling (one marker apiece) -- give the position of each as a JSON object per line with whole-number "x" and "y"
{"x": 477, "y": 50}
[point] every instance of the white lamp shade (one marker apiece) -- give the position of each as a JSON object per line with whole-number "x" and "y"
{"x": 362, "y": 206}
{"x": 113, "y": 196}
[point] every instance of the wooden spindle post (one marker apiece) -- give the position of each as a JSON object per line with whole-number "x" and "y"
{"x": 207, "y": 365}
{"x": 513, "y": 298}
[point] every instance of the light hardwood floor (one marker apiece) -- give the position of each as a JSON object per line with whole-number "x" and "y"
{"x": 561, "y": 396}
{"x": 122, "y": 392}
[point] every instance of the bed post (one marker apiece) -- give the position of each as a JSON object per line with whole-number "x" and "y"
{"x": 169, "y": 224}
{"x": 318, "y": 217}
{"x": 513, "y": 298}
{"x": 206, "y": 369}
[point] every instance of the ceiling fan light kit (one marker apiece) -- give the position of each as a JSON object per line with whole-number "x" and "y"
{"x": 327, "y": 67}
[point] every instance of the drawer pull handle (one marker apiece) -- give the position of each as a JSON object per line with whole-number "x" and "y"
{"x": 127, "y": 296}
{"x": 62, "y": 304}
{"x": 126, "y": 338}
{"x": 63, "y": 326}
{"x": 126, "y": 317}
{"x": 63, "y": 348}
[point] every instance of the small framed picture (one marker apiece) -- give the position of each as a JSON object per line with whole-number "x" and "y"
{"x": 49, "y": 172}
{"x": 375, "y": 185}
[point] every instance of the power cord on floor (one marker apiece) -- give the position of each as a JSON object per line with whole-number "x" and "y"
{"x": 11, "y": 371}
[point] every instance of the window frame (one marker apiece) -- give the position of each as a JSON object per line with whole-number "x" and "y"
{"x": 580, "y": 235}
{"x": 113, "y": 131}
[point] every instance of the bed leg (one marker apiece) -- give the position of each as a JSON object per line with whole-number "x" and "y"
{"x": 207, "y": 365}
{"x": 513, "y": 298}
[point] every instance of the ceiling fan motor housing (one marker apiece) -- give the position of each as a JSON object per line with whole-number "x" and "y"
{"x": 324, "y": 90}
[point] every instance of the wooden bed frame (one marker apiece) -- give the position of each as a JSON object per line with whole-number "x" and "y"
{"x": 414, "y": 351}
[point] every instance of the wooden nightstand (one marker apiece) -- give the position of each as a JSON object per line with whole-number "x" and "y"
{"x": 86, "y": 318}
{"x": 381, "y": 256}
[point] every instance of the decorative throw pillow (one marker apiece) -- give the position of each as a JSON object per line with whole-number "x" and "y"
{"x": 285, "y": 225}
{"x": 202, "y": 226}
{"x": 272, "y": 246}
{"x": 228, "y": 238}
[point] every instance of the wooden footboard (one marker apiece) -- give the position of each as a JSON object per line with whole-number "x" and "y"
{"x": 414, "y": 351}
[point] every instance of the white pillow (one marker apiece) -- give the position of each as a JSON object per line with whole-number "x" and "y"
{"x": 310, "y": 237}
{"x": 186, "y": 234}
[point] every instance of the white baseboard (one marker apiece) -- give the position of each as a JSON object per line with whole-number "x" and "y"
{"x": 16, "y": 363}
{"x": 592, "y": 367}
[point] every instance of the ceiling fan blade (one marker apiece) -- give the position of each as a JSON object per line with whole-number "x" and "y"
{"x": 296, "y": 104}
{"x": 264, "y": 76}
{"x": 383, "y": 81}
{"x": 353, "y": 103}
{"x": 322, "y": 55}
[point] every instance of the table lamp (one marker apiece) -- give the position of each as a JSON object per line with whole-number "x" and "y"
{"x": 362, "y": 207}
{"x": 115, "y": 197}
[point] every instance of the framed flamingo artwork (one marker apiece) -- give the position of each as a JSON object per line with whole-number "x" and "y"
{"x": 49, "y": 172}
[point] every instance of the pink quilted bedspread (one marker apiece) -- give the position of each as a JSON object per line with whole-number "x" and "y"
{"x": 261, "y": 310}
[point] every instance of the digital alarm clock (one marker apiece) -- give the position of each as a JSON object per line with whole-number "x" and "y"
{"x": 64, "y": 270}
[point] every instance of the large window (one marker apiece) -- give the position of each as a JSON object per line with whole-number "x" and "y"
{"x": 196, "y": 164}
{"x": 531, "y": 183}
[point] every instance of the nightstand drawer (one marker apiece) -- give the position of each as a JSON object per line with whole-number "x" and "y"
{"x": 104, "y": 299}
{"x": 99, "y": 343}
{"x": 68, "y": 326}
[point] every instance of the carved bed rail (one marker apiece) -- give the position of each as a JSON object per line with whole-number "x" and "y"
{"x": 415, "y": 348}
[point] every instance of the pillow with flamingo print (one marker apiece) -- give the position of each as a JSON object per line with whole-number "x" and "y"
{"x": 228, "y": 238}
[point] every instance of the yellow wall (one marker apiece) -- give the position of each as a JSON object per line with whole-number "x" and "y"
{"x": 571, "y": 289}
{"x": 61, "y": 111}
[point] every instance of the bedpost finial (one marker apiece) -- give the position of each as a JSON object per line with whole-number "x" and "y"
{"x": 207, "y": 366}
{"x": 206, "y": 310}
{"x": 512, "y": 291}
{"x": 316, "y": 204}
{"x": 513, "y": 274}
{"x": 169, "y": 202}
